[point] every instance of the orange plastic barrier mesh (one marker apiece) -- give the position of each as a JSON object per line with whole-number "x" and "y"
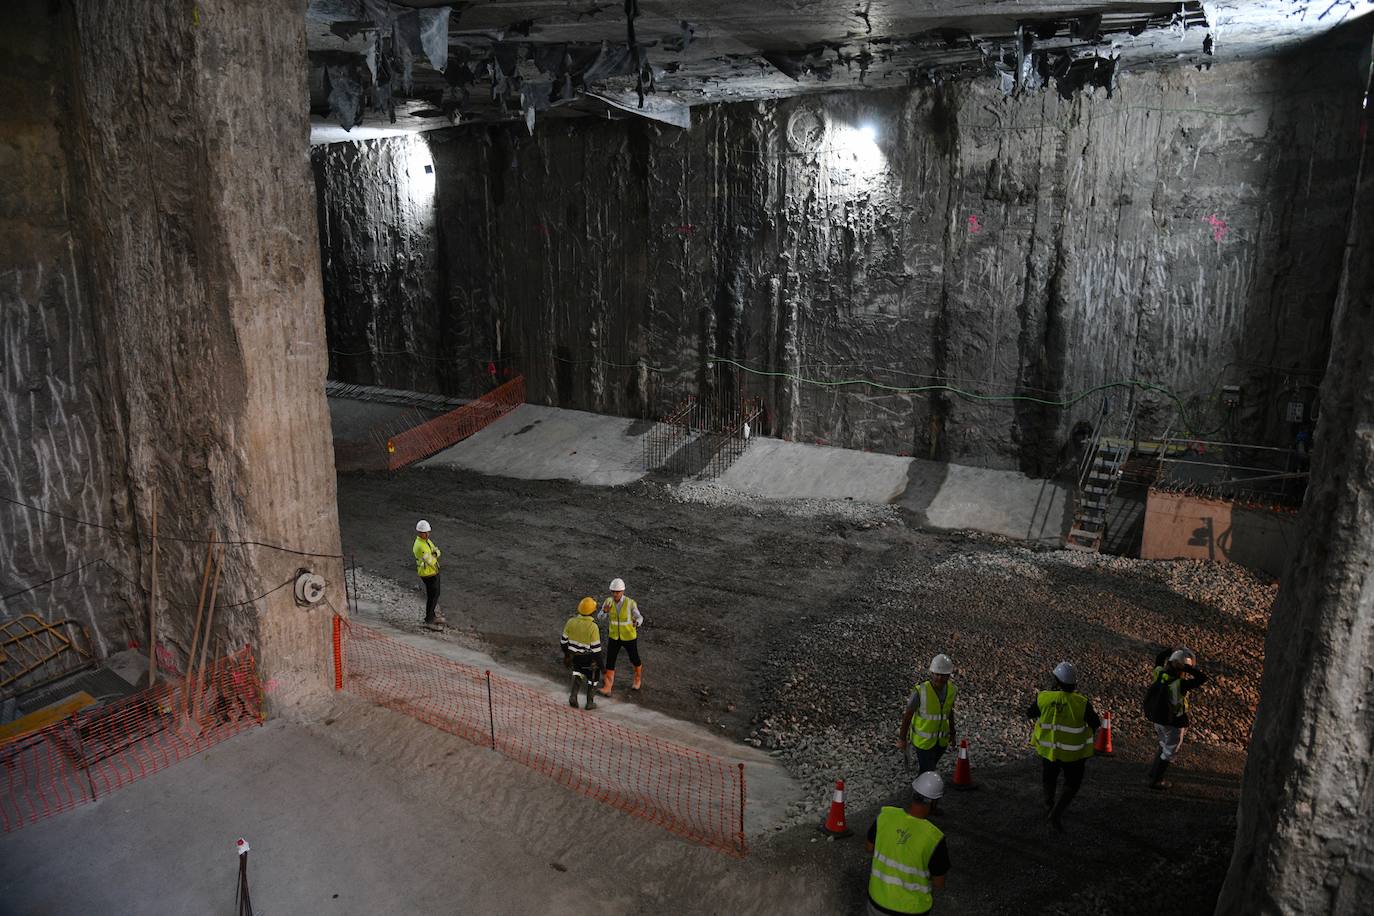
{"x": 438, "y": 434}
{"x": 94, "y": 752}
{"x": 695, "y": 795}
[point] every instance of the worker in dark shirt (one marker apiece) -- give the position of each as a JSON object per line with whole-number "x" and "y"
{"x": 910, "y": 860}
{"x": 1065, "y": 725}
{"x": 1177, "y": 675}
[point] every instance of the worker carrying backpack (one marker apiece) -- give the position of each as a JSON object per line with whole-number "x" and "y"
{"x": 1156, "y": 704}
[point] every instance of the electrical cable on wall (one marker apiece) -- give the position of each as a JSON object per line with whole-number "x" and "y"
{"x": 971, "y": 395}
{"x": 169, "y": 537}
{"x": 129, "y": 579}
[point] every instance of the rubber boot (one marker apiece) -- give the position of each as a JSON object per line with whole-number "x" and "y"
{"x": 1157, "y": 780}
{"x": 572, "y": 697}
{"x": 1060, "y": 807}
{"x": 609, "y": 679}
{"x": 639, "y": 669}
{"x": 591, "y": 696}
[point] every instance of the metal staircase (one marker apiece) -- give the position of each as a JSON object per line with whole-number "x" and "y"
{"x": 1097, "y": 481}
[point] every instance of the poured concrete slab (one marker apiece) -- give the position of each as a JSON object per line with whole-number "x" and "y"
{"x": 775, "y": 469}
{"x": 945, "y": 495}
{"x": 996, "y": 501}
{"x": 534, "y": 442}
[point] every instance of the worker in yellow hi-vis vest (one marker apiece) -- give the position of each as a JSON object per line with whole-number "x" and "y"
{"x": 928, "y": 720}
{"x": 1064, "y": 729}
{"x": 581, "y": 644}
{"x": 427, "y": 566}
{"x": 910, "y": 860}
{"x": 623, "y": 621}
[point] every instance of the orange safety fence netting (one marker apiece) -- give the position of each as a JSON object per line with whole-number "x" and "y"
{"x": 690, "y": 793}
{"x": 438, "y": 434}
{"x": 103, "y": 748}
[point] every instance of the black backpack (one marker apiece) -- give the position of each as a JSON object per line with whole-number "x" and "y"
{"x": 1156, "y": 704}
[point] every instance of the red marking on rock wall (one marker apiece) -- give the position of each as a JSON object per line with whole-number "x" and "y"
{"x": 1218, "y": 225}
{"x": 974, "y": 225}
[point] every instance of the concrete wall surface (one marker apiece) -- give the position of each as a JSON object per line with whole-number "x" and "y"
{"x": 1185, "y": 231}
{"x": 162, "y": 317}
{"x": 1179, "y": 527}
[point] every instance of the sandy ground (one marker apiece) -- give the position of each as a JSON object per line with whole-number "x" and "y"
{"x": 799, "y": 626}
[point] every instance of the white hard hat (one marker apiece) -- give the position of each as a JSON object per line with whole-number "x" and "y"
{"x": 617, "y": 585}
{"x": 422, "y": 526}
{"x": 941, "y": 664}
{"x": 1064, "y": 674}
{"x": 929, "y": 785}
{"x": 1183, "y": 656}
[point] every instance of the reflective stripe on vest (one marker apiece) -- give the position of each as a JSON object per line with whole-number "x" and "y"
{"x": 581, "y": 636}
{"x": 621, "y": 626}
{"x": 930, "y": 722}
{"x": 426, "y": 557}
{"x": 899, "y": 878}
{"x": 1062, "y": 732}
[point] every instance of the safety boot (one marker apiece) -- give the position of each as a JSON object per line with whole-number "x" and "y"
{"x": 572, "y": 697}
{"x": 591, "y": 697}
{"x": 639, "y": 670}
{"x": 1157, "y": 768}
{"x": 607, "y": 680}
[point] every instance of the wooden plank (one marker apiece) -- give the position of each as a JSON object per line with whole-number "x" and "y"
{"x": 42, "y": 718}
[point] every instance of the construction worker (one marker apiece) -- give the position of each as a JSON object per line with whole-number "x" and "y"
{"x": 581, "y": 644}
{"x": 427, "y": 566}
{"x": 928, "y": 721}
{"x": 622, "y": 629}
{"x": 1064, "y": 729}
{"x": 910, "y": 860}
{"x": 1178, "y": 675}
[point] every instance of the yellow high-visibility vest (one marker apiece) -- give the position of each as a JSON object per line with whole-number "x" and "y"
{"x": 930, "y": 724}
{"x": 899, "y": 879}
{"x": 622, "y": 618}
{"x": 581, "y": 636}
{"x": 426, "y": 557}
{"x": 1062, "y": 732}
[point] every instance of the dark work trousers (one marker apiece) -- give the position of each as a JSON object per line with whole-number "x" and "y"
{"x": 927, "y": 758}
{"x": 1049, "y": 777}
{"x": 431, "y": 595}
{"x": 613, "y": 650}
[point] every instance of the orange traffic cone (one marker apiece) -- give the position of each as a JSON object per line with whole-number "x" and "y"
{"x": 963, "y": 777}
{"x": 1103, "y": 744}
{"x": 834, "y": 823}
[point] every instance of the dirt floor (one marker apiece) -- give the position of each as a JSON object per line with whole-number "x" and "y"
{"x": 800, "y": 627}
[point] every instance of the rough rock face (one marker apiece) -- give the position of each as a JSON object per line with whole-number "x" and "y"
{"x": 391, "y": 260}
{"x": 1305, "y": 842}
{"x": 53, "y": 451}
{"x": 1185, "y": 231}
{"x": 178, "y": 323}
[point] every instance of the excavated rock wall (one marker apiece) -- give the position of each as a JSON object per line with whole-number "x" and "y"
{"x": 1305, "y": 841}
{"x": 55, "y": 445}
{"x": 391, "y": 260}
{"x": 1185, "y": 232}
{"x": 179, "y": 320}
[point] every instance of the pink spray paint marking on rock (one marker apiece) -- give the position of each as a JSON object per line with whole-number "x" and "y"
{"x": 973, "y": 224}
{"x": 1218, "y": 225}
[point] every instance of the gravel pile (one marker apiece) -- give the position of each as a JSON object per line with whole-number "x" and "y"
{"x": 1007, "y": 614}
{"x": 714, "y": 494}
